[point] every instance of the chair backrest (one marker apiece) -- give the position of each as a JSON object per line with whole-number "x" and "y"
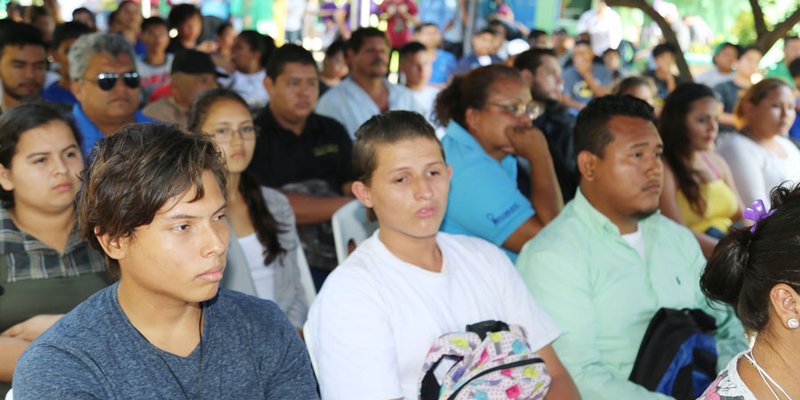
{"x": 305, "y": 275}
{"x": 350, "y": 223}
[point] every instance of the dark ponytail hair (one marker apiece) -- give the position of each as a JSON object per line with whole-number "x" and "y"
{"x": 263, "y": 44}
{"x": 266, "y": 226}
{"x": 469, "y": 91}
{"x": 677, "y": 146}
{"x": 746, "y": 265}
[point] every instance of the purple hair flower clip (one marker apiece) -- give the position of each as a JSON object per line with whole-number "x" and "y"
{"x": 756, "y": 212}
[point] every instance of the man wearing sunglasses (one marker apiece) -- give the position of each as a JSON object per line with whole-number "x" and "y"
{"x": 106, "y": 84}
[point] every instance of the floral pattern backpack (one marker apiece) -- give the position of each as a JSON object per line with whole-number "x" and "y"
{"x": 493, "y": 361}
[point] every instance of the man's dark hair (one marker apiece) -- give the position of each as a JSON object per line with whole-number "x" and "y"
{"x": 288, "y": 53}
{"x": 154, "y": 21}
{"x": 420, "y": 27}
{"x": 794, "y": 68}
{"x": 609, "y": 51}
{"x": 663, "y": 48}
{"x": 181, "y": 13}
{"x": 746, "y": 49}
{"x": 222, "y": 27}
{"x": 488, "y": 30}
{"x": 135, "y": 172}
{"x": 531, "y": 59}
{"x": 20, "y": 34}
{"x": 112, "y": 17}
{"x": 724, "y": 45}
{"x": 591, "y": 127}
{"x": 338, "y": 46}
{"x": 82, "y": 10}
{"x": 411, "y": 48}
{"x": 69, "y": 30}
{"x": 387, "y": 128}
{"x": 536, "y": 33}
{"x": 360, "y": 35}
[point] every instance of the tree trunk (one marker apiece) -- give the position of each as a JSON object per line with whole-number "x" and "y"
{"x": 669, "y": 34}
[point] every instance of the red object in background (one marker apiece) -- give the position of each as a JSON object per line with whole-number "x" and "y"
{"x": 164, "y": 91}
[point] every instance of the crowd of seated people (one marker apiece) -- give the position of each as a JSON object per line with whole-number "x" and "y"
{"x": 162, "y": 199}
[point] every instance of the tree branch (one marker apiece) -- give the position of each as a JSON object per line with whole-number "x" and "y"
{"x": 758, "y": 18}
{"x": 669, "y": 34}
{"x": 768, "y": 39}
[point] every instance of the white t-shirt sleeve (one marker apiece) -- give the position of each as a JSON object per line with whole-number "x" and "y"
{"x": 518, "y": 306}
{"x": 354, "y": 344}
{"x": 746, "y": 167}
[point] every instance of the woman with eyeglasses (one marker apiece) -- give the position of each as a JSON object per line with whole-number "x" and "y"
{"x": 45, "y": 268}
{"x": 262, "y": 253}
{"x": 488, "y": 113}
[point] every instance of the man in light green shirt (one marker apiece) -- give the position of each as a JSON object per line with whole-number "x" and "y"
{"x": 609, "y": 261}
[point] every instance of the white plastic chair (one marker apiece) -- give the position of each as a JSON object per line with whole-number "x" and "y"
{"x": 305, "y": 275}
{"x": 310, "y": 348}
{"x": 9, "y": 395}
{"x": 350, "y": 223}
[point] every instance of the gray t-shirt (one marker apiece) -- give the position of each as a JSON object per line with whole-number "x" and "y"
{"x": 249, "y": 350}
{"x": 577, "y": 88}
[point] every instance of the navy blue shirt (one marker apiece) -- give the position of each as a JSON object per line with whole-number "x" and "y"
{"x": 56, "y": 93}
{"x": 249, "y": 350}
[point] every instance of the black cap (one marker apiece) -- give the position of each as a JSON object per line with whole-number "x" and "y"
{"x": 195, "y": 62}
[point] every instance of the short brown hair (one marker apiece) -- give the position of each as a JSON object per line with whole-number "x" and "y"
{"x": 387, "y": 128}
{"x": 136, "y": 171}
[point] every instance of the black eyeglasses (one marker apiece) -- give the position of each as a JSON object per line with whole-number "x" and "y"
{"x": 106, "y": 80}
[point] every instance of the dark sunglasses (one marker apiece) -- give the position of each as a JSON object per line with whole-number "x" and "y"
{"x": 106, "y": 80}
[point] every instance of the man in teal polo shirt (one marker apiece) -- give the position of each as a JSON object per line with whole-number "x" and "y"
{"x": 609, "y": 261}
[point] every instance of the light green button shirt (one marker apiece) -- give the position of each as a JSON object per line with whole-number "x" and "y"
{"x": 602, "y": 294}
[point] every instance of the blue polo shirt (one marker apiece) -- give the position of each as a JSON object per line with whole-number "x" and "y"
{"x": 484, "y": 199}
{"x": 90, "y": 134}
{"x": 55, "y": 93}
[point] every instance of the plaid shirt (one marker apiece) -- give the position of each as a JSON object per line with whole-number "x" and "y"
{"x": 28, "y": 258}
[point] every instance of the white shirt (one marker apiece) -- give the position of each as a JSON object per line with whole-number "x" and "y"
{"x": 349, "y": 104}
{"x": 376, "y": 317}
{"x": 426, "y": 98}
{"x": 713, "y": 77}
{"x": 605, "y": 29}
{"x": 249, "y": 86}
{"x": 263, "y": 276}
{"x": 636, "y": 240}
{"x": 756, "y": 170}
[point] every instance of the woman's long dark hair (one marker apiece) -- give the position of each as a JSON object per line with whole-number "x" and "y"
{"x": 677, "y": 147}
{"x": 266, "y": 226}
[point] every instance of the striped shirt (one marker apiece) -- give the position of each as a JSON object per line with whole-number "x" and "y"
{"x": 27, "y": 258}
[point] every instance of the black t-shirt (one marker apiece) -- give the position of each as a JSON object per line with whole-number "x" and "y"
{"x": 321, "y": 152}
{"x": 557, "y": 125}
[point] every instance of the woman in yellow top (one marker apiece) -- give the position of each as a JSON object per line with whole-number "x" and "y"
{"x": 698, "y": 185}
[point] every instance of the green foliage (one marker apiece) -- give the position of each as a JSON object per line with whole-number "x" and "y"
{"x": 744, "y": 28}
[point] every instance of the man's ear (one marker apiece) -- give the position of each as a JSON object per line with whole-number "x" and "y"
{"x": 5, "y": 179}
{"x": 527, "y": 77}
{"x": 362, "y": 193}
{"x": 587, "y": 163}
{"x": 75, "y": 88}
{"x": 116, "y": 248}
{"x": 269, "y": 85}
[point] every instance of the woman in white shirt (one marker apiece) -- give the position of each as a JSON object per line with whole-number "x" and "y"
{"x": 250, "y": 53}
{"x": 760, "y": 155}
{"x": 262, "y": 258}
